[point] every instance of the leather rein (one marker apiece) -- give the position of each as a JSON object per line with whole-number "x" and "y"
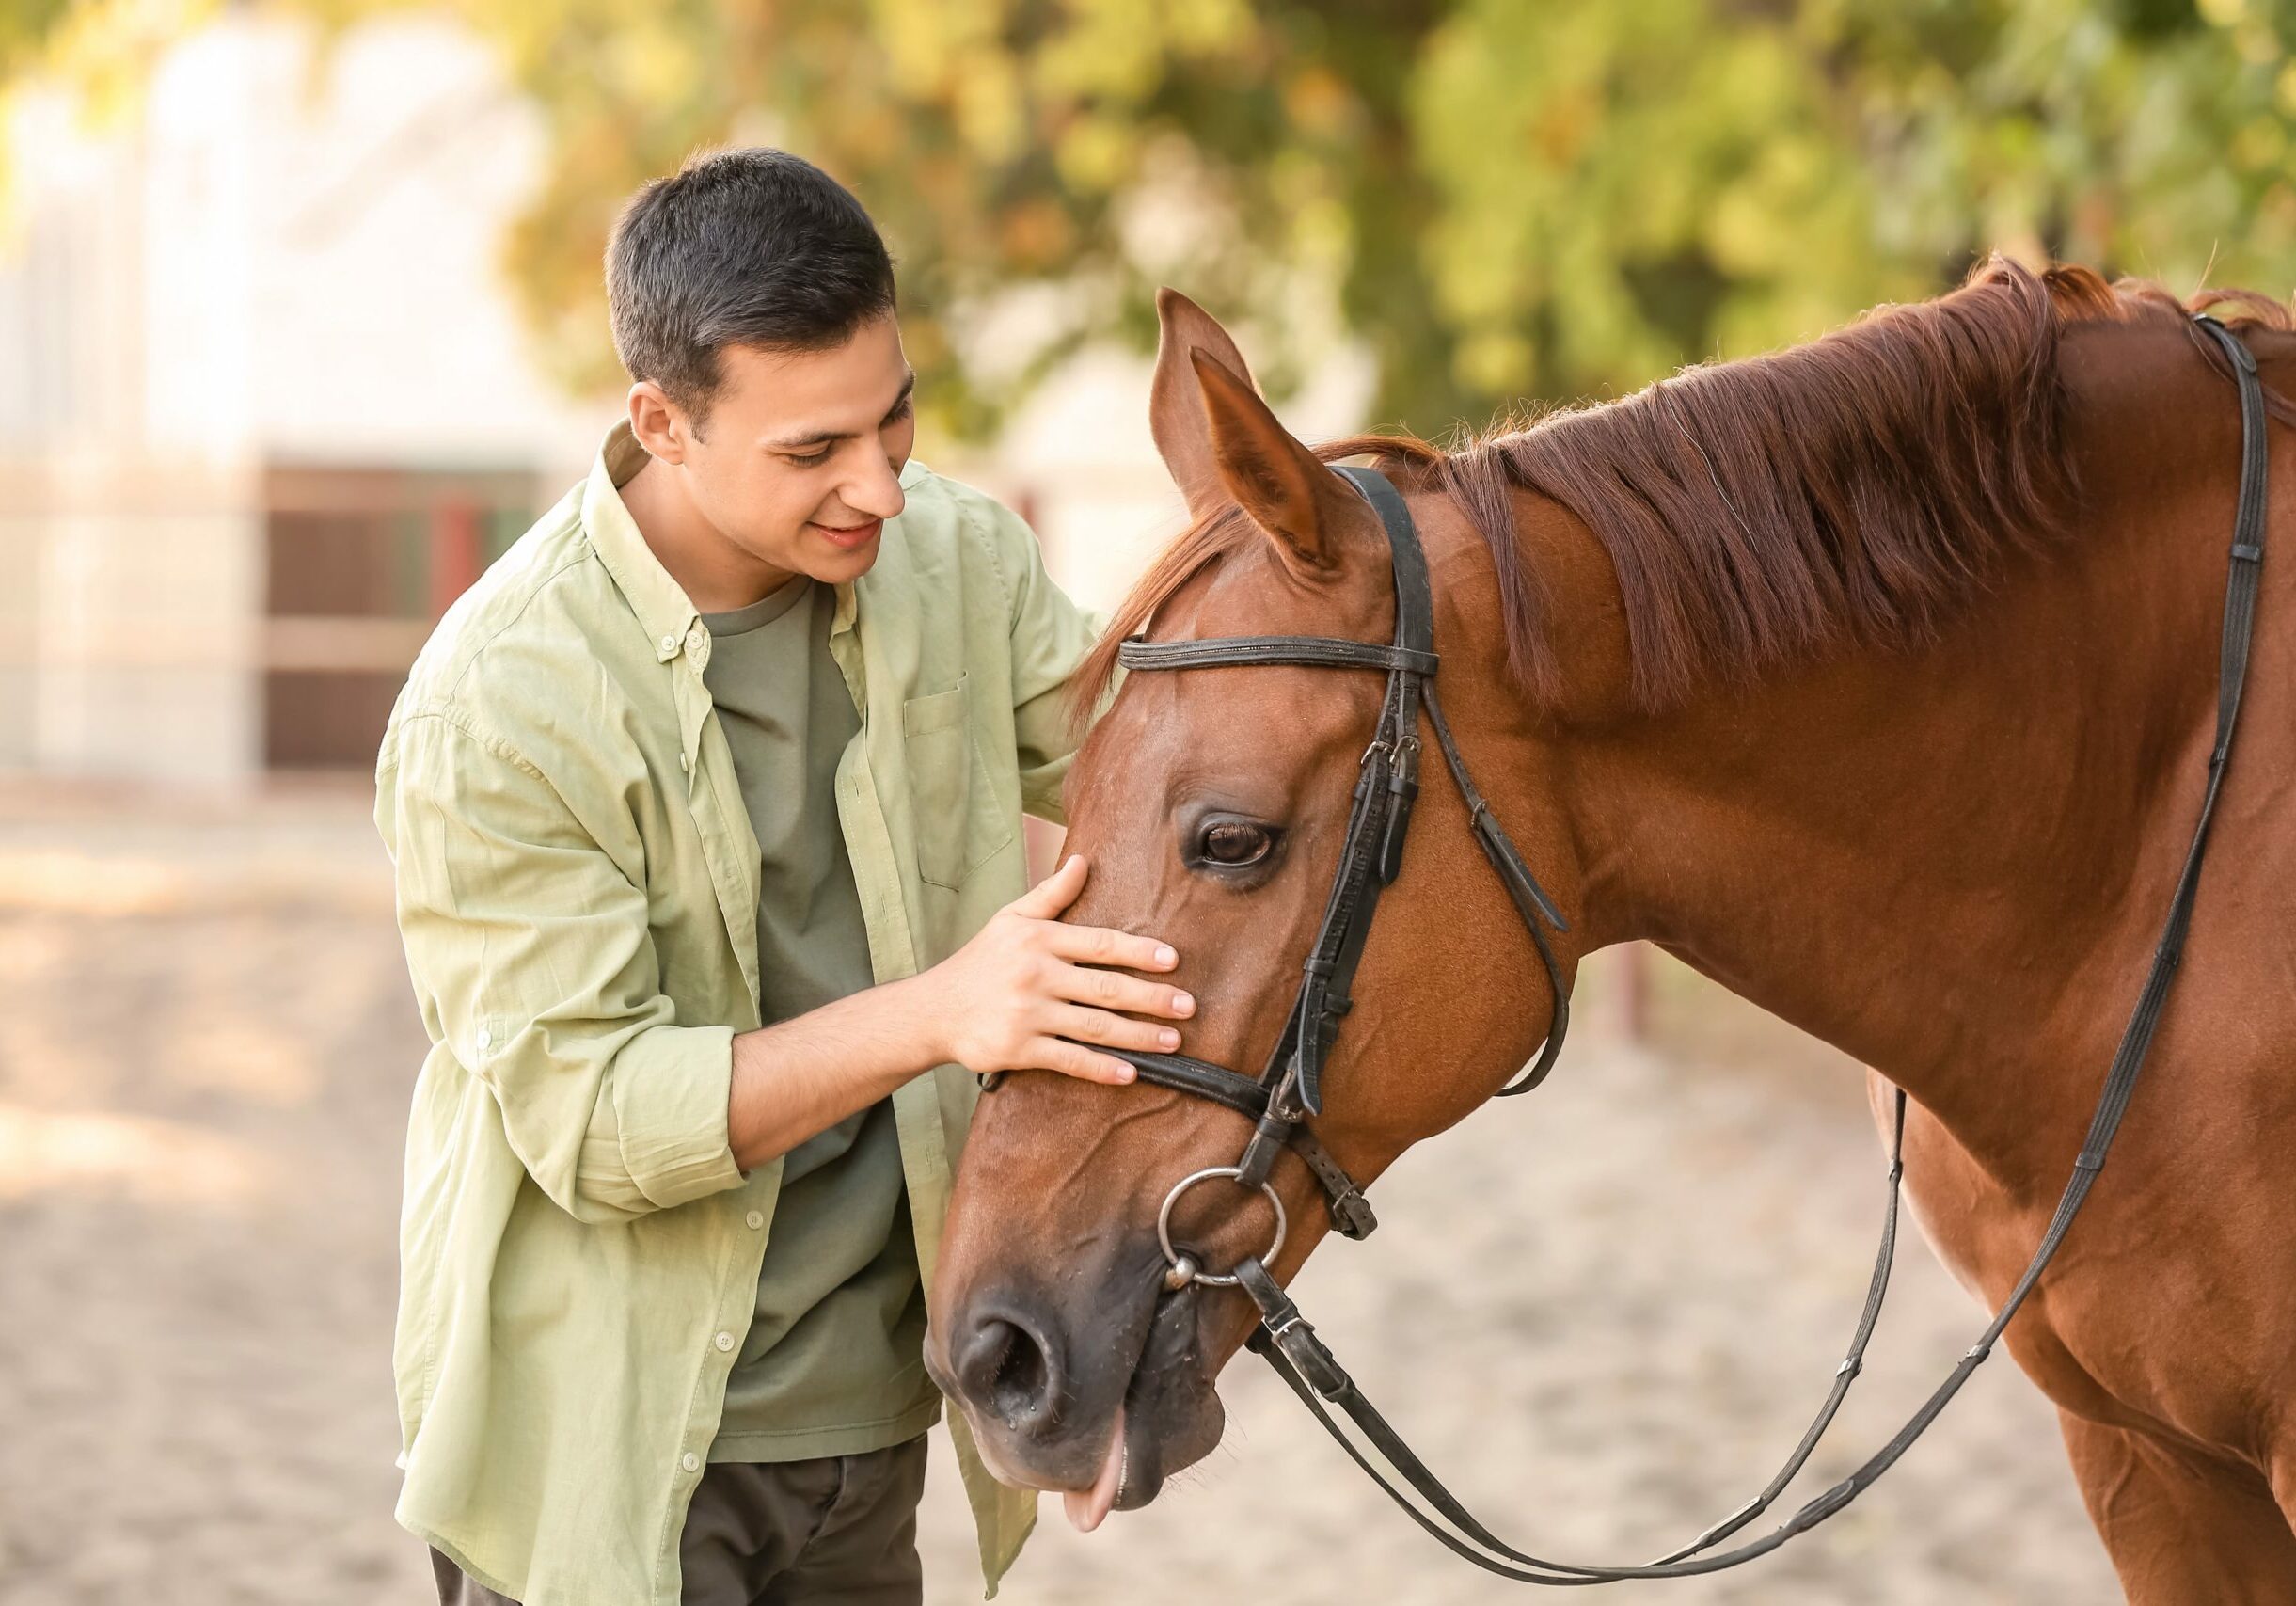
{"x": 1289, "y": 1089}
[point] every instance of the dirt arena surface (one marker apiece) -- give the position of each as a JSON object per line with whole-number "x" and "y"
{"x": 1603, "y": 1312}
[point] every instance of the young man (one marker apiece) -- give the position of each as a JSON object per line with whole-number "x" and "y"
{"x": 704, "y": 807}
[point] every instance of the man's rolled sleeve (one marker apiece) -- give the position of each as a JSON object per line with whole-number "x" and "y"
{"x": 666, "y": 1137}
{"x": 530, "y": 951}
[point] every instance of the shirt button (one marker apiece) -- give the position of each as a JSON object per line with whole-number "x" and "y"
{"x": 756, "y": 1218}
{"x": 485, "y": 1037}
{"x": 685, "y": 761}
{"x": 691, "y": 1462}
{"x": 724, "y": 1341}
{"x": 669, "y": 645}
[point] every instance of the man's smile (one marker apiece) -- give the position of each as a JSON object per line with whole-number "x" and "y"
{"x": 848, "y": 535}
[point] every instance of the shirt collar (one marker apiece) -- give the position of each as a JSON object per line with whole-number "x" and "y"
{"x": 660, "y": 602}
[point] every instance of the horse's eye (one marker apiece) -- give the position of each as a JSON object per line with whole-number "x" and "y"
{"x": 1234, "y": 843}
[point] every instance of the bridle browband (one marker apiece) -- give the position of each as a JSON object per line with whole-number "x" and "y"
{"x": 1290, "y": 1090}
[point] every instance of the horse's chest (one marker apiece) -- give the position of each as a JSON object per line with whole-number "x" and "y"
{"x": 1963, "y": 1214}
{"x": 2098, "y": 1335}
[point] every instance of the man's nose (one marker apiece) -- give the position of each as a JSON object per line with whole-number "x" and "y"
{"x": 875, "y": 495}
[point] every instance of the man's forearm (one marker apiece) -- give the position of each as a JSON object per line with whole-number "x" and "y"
{"x": 1028, "y": 992}
{"x": 803, "y": 1076}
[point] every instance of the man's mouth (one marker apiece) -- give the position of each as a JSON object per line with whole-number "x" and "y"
{"x": 848, "y": 536}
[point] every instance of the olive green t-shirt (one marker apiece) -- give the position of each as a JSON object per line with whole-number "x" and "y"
{"x": 832, "y": 1361}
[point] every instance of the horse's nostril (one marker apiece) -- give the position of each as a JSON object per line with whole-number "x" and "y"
{"x": 1018, "y": 1391}
{"x": 1005, "y": 1370}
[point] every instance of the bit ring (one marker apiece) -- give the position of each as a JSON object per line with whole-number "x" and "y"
{"x": 1179, "y": 1261}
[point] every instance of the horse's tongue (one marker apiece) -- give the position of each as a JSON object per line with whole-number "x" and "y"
{"x": 1087, "y": 1507}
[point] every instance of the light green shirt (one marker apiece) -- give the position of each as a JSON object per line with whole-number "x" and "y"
{"x": 832, "y": 1363}
{"x": 577, "y": 889}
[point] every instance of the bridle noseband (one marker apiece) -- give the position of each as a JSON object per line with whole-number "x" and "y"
{"x": 1290, "y": 1090}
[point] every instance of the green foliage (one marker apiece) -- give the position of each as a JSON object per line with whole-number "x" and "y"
{"x": 1626, "y": 188}
{"x": 1504, "y": 200}
{"x": 24, "y": 28}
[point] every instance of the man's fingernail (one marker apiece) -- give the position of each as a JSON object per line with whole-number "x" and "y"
{"x": 1124, "y": 1072}
{"x": 1165, "y": 956}
{"x": 1183, "y": 1003}
{"x": 1169, "y": 1037}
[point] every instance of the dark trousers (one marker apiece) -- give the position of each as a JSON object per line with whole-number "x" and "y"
{"x": 843, "y": 1528}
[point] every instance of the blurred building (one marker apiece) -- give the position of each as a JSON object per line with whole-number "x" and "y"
{"x": 261, "y": 409}
{"x": 267, "y": 407}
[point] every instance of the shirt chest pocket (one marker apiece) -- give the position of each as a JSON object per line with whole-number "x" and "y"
{"x": 959, "y": 823}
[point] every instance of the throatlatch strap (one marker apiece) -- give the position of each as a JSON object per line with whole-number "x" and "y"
{"x": 1523, "y": 889}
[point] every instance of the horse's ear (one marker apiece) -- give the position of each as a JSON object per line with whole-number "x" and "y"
{"x": 1287, "y": 491}
{"x": 1176, "y": 402}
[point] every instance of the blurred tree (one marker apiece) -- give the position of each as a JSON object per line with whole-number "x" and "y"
{"x": 103, "y": 47}
{"x": 23, "y": 28}
{"x": 1504, "y": 201}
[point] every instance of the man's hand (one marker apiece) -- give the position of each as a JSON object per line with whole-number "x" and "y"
{"x": 1024, "y": 993}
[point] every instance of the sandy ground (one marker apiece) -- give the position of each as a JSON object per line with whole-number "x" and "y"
{"x": 1603, "y": 1312}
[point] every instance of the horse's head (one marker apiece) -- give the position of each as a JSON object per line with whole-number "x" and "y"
{"x": 1212, "y": 805}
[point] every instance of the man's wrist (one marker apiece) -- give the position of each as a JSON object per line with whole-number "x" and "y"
{"x": 920, "y": 1022}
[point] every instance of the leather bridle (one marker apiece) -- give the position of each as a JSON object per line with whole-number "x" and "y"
{"x": 1290, "y": 1090}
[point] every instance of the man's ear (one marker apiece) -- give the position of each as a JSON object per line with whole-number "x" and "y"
{"x": 658, "y": 422}
{"x": 1176, "y": 402}
{"x": 1285, "y": 488}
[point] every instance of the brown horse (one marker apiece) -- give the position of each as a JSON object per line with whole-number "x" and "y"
{"x": 1875, "y": 680}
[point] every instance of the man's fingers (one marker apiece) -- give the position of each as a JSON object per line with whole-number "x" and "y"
{"x": 1075, "y": 1060}
{"x": 1055, "y": 893}
{"x": 1114, "y": 990}
{"x": 1099, "y": 945}
{"x": 1104, "y": 1030}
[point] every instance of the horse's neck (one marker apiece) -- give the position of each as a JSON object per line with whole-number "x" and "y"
{"x": 1952, "y": 865}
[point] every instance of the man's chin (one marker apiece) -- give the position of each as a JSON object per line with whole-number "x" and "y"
{"x": 832, "y": 567}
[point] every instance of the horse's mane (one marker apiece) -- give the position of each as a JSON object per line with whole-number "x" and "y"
{"x": 1858, "y": 487}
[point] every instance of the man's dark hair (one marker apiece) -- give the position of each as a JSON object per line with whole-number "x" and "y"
{"x": 750, "y": 247}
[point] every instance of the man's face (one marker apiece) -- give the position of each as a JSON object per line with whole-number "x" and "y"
{"x": 799, "y": 460}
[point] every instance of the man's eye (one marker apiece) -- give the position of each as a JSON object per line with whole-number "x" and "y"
{"x": 1234, "y": 843}
{"x": 808, "y": 459}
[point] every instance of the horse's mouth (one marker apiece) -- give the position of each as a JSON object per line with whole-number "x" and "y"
{"x": 1169, "y": 1417}
{"x": 1129, "y": 1399}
